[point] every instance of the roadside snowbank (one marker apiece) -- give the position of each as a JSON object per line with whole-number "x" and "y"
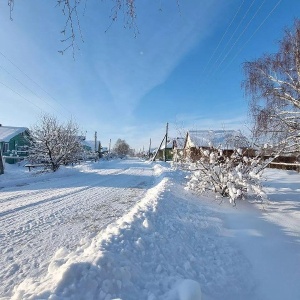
{"x": 169, "y": 244}
{"x": 167, "y": 247}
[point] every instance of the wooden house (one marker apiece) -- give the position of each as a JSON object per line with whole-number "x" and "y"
{"x": 165, "y": 150}
{"x": 14, "y": 143}
{"x": 174, "y": 149}
{"x": 227, "y": 140}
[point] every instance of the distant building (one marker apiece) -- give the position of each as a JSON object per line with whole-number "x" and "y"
{"x": 227, "y": 140}
{"x": 172, "y": 150}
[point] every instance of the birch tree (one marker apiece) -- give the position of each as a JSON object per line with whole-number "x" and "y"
{"x": 273, "y": 86}
{"x": 121, "y": 148}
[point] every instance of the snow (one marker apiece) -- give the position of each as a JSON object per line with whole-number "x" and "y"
{"x": 284, "y": 204}
{"x": 8, "y": 132}
{"x": 128, "y": 229}
{"x": 229, "y": 139}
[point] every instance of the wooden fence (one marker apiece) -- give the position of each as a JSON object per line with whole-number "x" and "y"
{"x": 285, "y": 166}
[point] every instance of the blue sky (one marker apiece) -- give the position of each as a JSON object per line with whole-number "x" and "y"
{"x": 183, "y": 67}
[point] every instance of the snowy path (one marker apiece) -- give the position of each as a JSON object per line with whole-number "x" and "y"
{"x": 167, "y": 240}
{"x": 135, "y": 233}
{"x": 38, "y": 218}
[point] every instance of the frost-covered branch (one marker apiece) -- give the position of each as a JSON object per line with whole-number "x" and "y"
{"x": 74, "y": 10}
{"x": 53, "y": 144}
{"x": 273, "y": 85}
{"x": 235, "y": 177}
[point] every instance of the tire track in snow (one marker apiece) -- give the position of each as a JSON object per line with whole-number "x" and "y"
{"x": 53, "y": 197}
{"x": 31, "y": 234}
{"x": 10, "y": 196}
{"x": 39, "y": 202}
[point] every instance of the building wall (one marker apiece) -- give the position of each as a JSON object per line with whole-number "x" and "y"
{"x": 17, "y": 146}
{"x": 19, "y": 140}
{"x": 160, "y": 154}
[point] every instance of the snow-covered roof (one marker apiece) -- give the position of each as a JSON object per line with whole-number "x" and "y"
{"x": 171, "y": 141}
{"x": 8, "y": 132}
{"x": 169, "y": 144}
{"x": 179, "y": 142}
{"x": 227, "y": 139}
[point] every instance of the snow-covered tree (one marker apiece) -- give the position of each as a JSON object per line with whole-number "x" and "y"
{"x": 273, "y": 84}
{"x": 234, "y": 176}
{"x": 121, "y": 148}
{"x": 54, "y": 144}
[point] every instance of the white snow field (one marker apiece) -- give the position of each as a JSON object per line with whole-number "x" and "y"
{"x": 128, "y": 229}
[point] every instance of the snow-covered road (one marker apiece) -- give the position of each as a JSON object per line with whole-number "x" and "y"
{"x": 45, "y": 213}
{"x": 130, "y": 230}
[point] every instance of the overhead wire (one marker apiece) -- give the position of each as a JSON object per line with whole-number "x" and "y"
{"x": 238, "y": 26}
{"x": 29, "y": 89}
{"x": 243, "y": 46}
{"x": 222, "y": 38}
{"x": 35, "y": 82}
{"x": 241, "y": 34}
{"x": 21, "y": 96}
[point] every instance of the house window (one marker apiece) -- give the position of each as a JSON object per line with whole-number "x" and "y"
{"x": 5, "y": 147}
{"x": 22, "y": 148}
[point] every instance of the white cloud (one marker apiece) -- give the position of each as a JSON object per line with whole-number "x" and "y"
{"x": 127, "y": 74}
{"x": 112, "y": 71}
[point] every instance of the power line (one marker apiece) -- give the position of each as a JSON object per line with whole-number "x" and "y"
{"x": 234, "y": 32}
{"x": 21, "y": 96}
{"x": 240, "y": 50}
{"x": 32, "y": 103}
{"x": 29, "y": 89}
{"x": 232, "y": 20}
{"x": 34, "y": 82}
{"x": 241, "y": 33}
{"x": 37, "y": 84}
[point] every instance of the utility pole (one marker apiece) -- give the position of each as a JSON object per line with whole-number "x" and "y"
{"x": 109, "y": 146}
{"x": 99, "y": 150}
{"x": 166, "y": 142}
{"x": 159, "y": 148}
{"x": 95, "y": 141}
{"x": 149, "y": 153}
{"x": 1, "y": 163}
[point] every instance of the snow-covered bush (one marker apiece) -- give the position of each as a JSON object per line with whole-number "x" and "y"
{"x": 234, "y": 176}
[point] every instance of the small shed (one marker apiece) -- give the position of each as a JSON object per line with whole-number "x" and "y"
{"x": 174, "y": 149}
{"x": 165, "y": 149}
{"x": 14, "y": 143}
{"x": 227, "y": 140}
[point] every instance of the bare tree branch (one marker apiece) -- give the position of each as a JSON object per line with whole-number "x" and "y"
{"x": 273, "y": 86}
{"x": 73, "y": 10}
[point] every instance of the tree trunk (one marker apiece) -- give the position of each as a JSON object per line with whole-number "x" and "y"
{"x": 1, "y": 164}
